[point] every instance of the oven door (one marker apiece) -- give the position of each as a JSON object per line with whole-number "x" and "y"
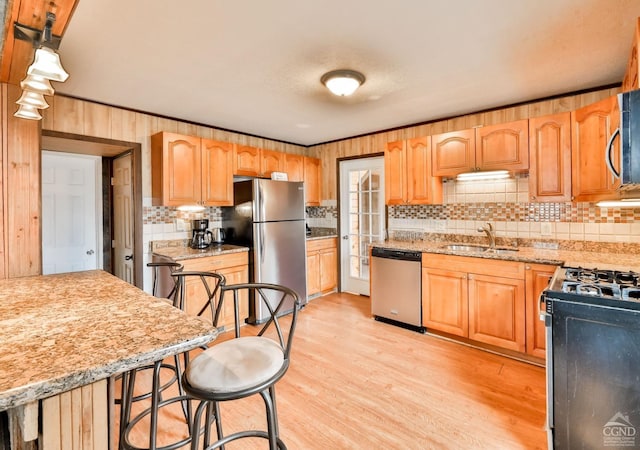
{"x": 544, "y": 315}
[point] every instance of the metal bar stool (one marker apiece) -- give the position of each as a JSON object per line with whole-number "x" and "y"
{"x": 208, "y": 283}
{"x": 244, "y": 365}
{"x": 161, "y": 271}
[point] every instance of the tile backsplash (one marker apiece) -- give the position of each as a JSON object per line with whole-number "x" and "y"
{"x": 505, "y": 204}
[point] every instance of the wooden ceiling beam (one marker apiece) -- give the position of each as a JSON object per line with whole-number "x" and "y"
{"x": 17, "y": 54}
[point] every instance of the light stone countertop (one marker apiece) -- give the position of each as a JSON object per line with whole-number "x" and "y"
{"x": 179, "y": 253}
{"x": 601, "y": 259}
{"x": 59, "y": 332}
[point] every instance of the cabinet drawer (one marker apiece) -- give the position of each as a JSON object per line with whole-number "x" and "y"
{"x": 320, "y": 244}
{"x": 212, "y": 263}
{"x": 482, "y": 266}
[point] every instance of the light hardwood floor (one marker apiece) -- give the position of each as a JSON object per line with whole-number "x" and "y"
{"x": 355, "y": 383}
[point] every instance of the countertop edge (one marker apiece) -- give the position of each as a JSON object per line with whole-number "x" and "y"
{"x": 39, "y": 391}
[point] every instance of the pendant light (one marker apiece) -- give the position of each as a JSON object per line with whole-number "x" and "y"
{"x": 47, "y": 64}
{"x": 28, "y": 112}
{"x": 30, "y": 98}
{"x": 38, "y": 84}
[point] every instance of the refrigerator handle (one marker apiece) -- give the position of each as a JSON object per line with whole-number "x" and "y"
{"x": 261, "y": 243}
{"x": 260, "y": 204}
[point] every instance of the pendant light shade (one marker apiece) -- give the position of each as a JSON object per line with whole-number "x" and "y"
{"x": 28, "y": 112}
{"x": 342, "y": 82}
{"x": 29, "y": 98}
{"x": 47, "y": 64}
{"x": 38, "y": 84}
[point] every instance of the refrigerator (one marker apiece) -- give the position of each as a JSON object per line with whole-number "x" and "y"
{"x": 268, "y": 216}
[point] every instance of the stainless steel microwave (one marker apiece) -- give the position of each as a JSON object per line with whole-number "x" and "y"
{"x": 629, "y": 132}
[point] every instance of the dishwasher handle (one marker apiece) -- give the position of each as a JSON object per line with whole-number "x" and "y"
{"x": 404, "y": 255}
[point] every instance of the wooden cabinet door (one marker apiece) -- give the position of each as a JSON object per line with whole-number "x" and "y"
{"x": 294, "y": 166}
{"x": 246, "y": 161}
{"x": 550, "y": 158}
{"x": 312, "y": 181}
{"x": 422, "y": 187}
{"x": 497, "y": 311}
{"x": 537, "y": 278}
{"x": 445, "y": 301}
{"x": 453, "y": 153}
{"x": 313, "y": 273}
{"x": 196, "y": 299}
{"x": 271, "y": 161}
{"x": 234, "y": 275}
{"x": 176, "y": 164}
{"x": 630, "y": 81}
{"x": 217, "y": 173}
{"x": 328, "y": 269}
{"x": 503, "y": 146}
{"x": 591, "y": 128}
{"x": 395, "y": 168}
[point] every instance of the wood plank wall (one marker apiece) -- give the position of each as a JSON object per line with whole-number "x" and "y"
{"x": 376, "y": 142}
{"x": 86, "y": 118}
{"x": 20, "y": 249}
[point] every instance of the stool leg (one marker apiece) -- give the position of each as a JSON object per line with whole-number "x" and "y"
{"x": 216, "y": 406}
{"x": 272, "y": 427}
{"x": 195, "y": 428}
{"x": 155, "y": 399}
{"x": 125, "y": 404}
{"x": 272, "y": 394}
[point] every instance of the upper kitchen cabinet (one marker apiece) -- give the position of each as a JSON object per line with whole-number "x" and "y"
{"x": 630, "y": 81}
{"x": 189, "y": 170}
{"x": 312, "y": 179}
{"x": 503, "y": 146}
{"x": 591, "y": 127}
{"x": 294, "y": 167}
{"x": 271, "y": 161}
{"x": 550, "y": 158}
{"x": 247, "y": 161}
{"x": 453, "y": 153}
{"x": 408, "y": 178}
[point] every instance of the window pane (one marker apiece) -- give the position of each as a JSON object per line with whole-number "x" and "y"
{"x": 354, "y": 267}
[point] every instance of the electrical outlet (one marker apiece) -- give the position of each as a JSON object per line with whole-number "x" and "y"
{"x": 545, "y": 228}
{"x": 181, "y": 225}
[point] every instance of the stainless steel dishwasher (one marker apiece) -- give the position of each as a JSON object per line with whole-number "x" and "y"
{"x": 396, "y": 287}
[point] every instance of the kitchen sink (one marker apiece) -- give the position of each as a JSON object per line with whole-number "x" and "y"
{"x": 466, "y": 248}
{"x": 471, "y": 248}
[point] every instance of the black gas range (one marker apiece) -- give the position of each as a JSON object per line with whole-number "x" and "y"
{"x": 593, "y": 358}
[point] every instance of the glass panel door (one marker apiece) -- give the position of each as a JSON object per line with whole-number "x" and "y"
{"x": 361, "y": 219}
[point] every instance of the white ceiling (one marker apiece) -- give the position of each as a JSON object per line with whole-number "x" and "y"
{"x": 254, "y": 66}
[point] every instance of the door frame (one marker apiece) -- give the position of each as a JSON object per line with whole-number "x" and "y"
{"x": 338, "y": 195}
{"x": 108, "y": 149}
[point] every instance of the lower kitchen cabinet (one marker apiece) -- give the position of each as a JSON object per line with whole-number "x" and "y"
{"x": 234, "y": 267}
{"x": 468, "y": 299}
{"x": 537, "y": 278}
{"x": 445, "y": 301}
{"x": 322, "y": 266}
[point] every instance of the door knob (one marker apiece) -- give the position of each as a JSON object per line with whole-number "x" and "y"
{"x": 128, "y": 257}
{"x": 90, "y": 252}
{"x": 345, "y": 237}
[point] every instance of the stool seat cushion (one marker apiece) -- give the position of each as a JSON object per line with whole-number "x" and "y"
{"x": 235, "y": 365}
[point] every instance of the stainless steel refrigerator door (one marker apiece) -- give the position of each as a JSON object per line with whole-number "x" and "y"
{"x": 279, "y": 257}
{"x": 277, "y": 200}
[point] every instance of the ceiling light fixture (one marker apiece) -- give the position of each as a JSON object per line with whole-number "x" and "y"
{"x": 29, "y": 98}
{"x": 46, "y": 66}
{"x": 28, "y": 112}
{"x": 486, "y": 175}
{"x": 342, "y": 82}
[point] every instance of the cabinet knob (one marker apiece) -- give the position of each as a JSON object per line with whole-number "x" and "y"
{"x": 527, "y": 267}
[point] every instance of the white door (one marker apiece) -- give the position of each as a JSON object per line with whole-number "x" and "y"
{"x": 71, "y": 212}
{"x": 361, "y": 219}
{"x": 123, "y": 218}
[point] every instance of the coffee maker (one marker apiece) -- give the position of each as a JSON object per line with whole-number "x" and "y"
{"x": 201, "y": 237}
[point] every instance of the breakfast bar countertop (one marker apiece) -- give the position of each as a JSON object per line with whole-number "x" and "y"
{"x": 60, "y": 332}
{"x": 180, "y": 252}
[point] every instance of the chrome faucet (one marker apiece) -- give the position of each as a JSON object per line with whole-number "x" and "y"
{"x": 488, "y": 228}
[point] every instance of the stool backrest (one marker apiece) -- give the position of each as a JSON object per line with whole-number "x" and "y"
{"x": 164, "y": 285}
{"x": 198, "y": 292}
{"x": 275, "y": 298}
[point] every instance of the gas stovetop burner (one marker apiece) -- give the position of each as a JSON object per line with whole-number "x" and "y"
{"x": 602, "y": 283}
